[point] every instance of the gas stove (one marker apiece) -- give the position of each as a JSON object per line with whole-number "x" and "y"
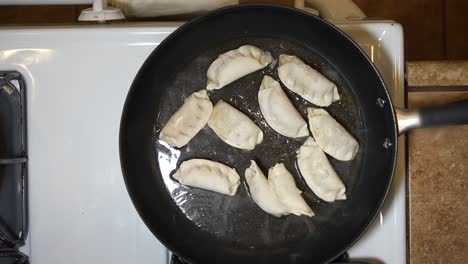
{"x": 75, "y": 83}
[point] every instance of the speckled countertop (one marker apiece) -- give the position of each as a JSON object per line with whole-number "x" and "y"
{"x": 438, "y": 160}
{"x": 437, "y": 73}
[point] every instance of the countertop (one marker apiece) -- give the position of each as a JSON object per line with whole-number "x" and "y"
{"x": 438, "y": 161}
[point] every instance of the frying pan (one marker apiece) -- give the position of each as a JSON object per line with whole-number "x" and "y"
{"x": 205, "y": 227}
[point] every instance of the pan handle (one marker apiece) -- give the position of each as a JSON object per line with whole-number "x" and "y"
{"x": 450, "y": 114}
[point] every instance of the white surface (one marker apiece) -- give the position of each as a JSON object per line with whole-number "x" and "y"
{"x": 80, "y": 211}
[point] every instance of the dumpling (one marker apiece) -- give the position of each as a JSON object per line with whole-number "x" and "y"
{"x": 278, "y": 111}
{"x": 208, "y": 175}
{"x": 306, "y": 82}
{"x": 261, "y": 192}
{"x": 331, "y": 136}
{"x": 234, "y": 127}
{"x": 188, "y": 120}
{"x": 318, "y": 173}
{"x": 235, "y": 64}
{"x": 282, "y": 183}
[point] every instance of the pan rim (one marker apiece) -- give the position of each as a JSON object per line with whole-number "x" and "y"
{"x": 190, "y": 24}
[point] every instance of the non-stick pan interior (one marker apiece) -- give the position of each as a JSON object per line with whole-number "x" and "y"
{"x": 204, "y": 226}
{"x": 237, "y": 219}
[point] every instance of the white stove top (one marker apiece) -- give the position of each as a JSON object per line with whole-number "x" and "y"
{"x": 77, "y": 80}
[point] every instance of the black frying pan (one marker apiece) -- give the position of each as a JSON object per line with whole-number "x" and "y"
{"x": 206, "y": 227}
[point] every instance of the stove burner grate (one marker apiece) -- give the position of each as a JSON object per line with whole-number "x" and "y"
{"x": 13, "y": 162}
